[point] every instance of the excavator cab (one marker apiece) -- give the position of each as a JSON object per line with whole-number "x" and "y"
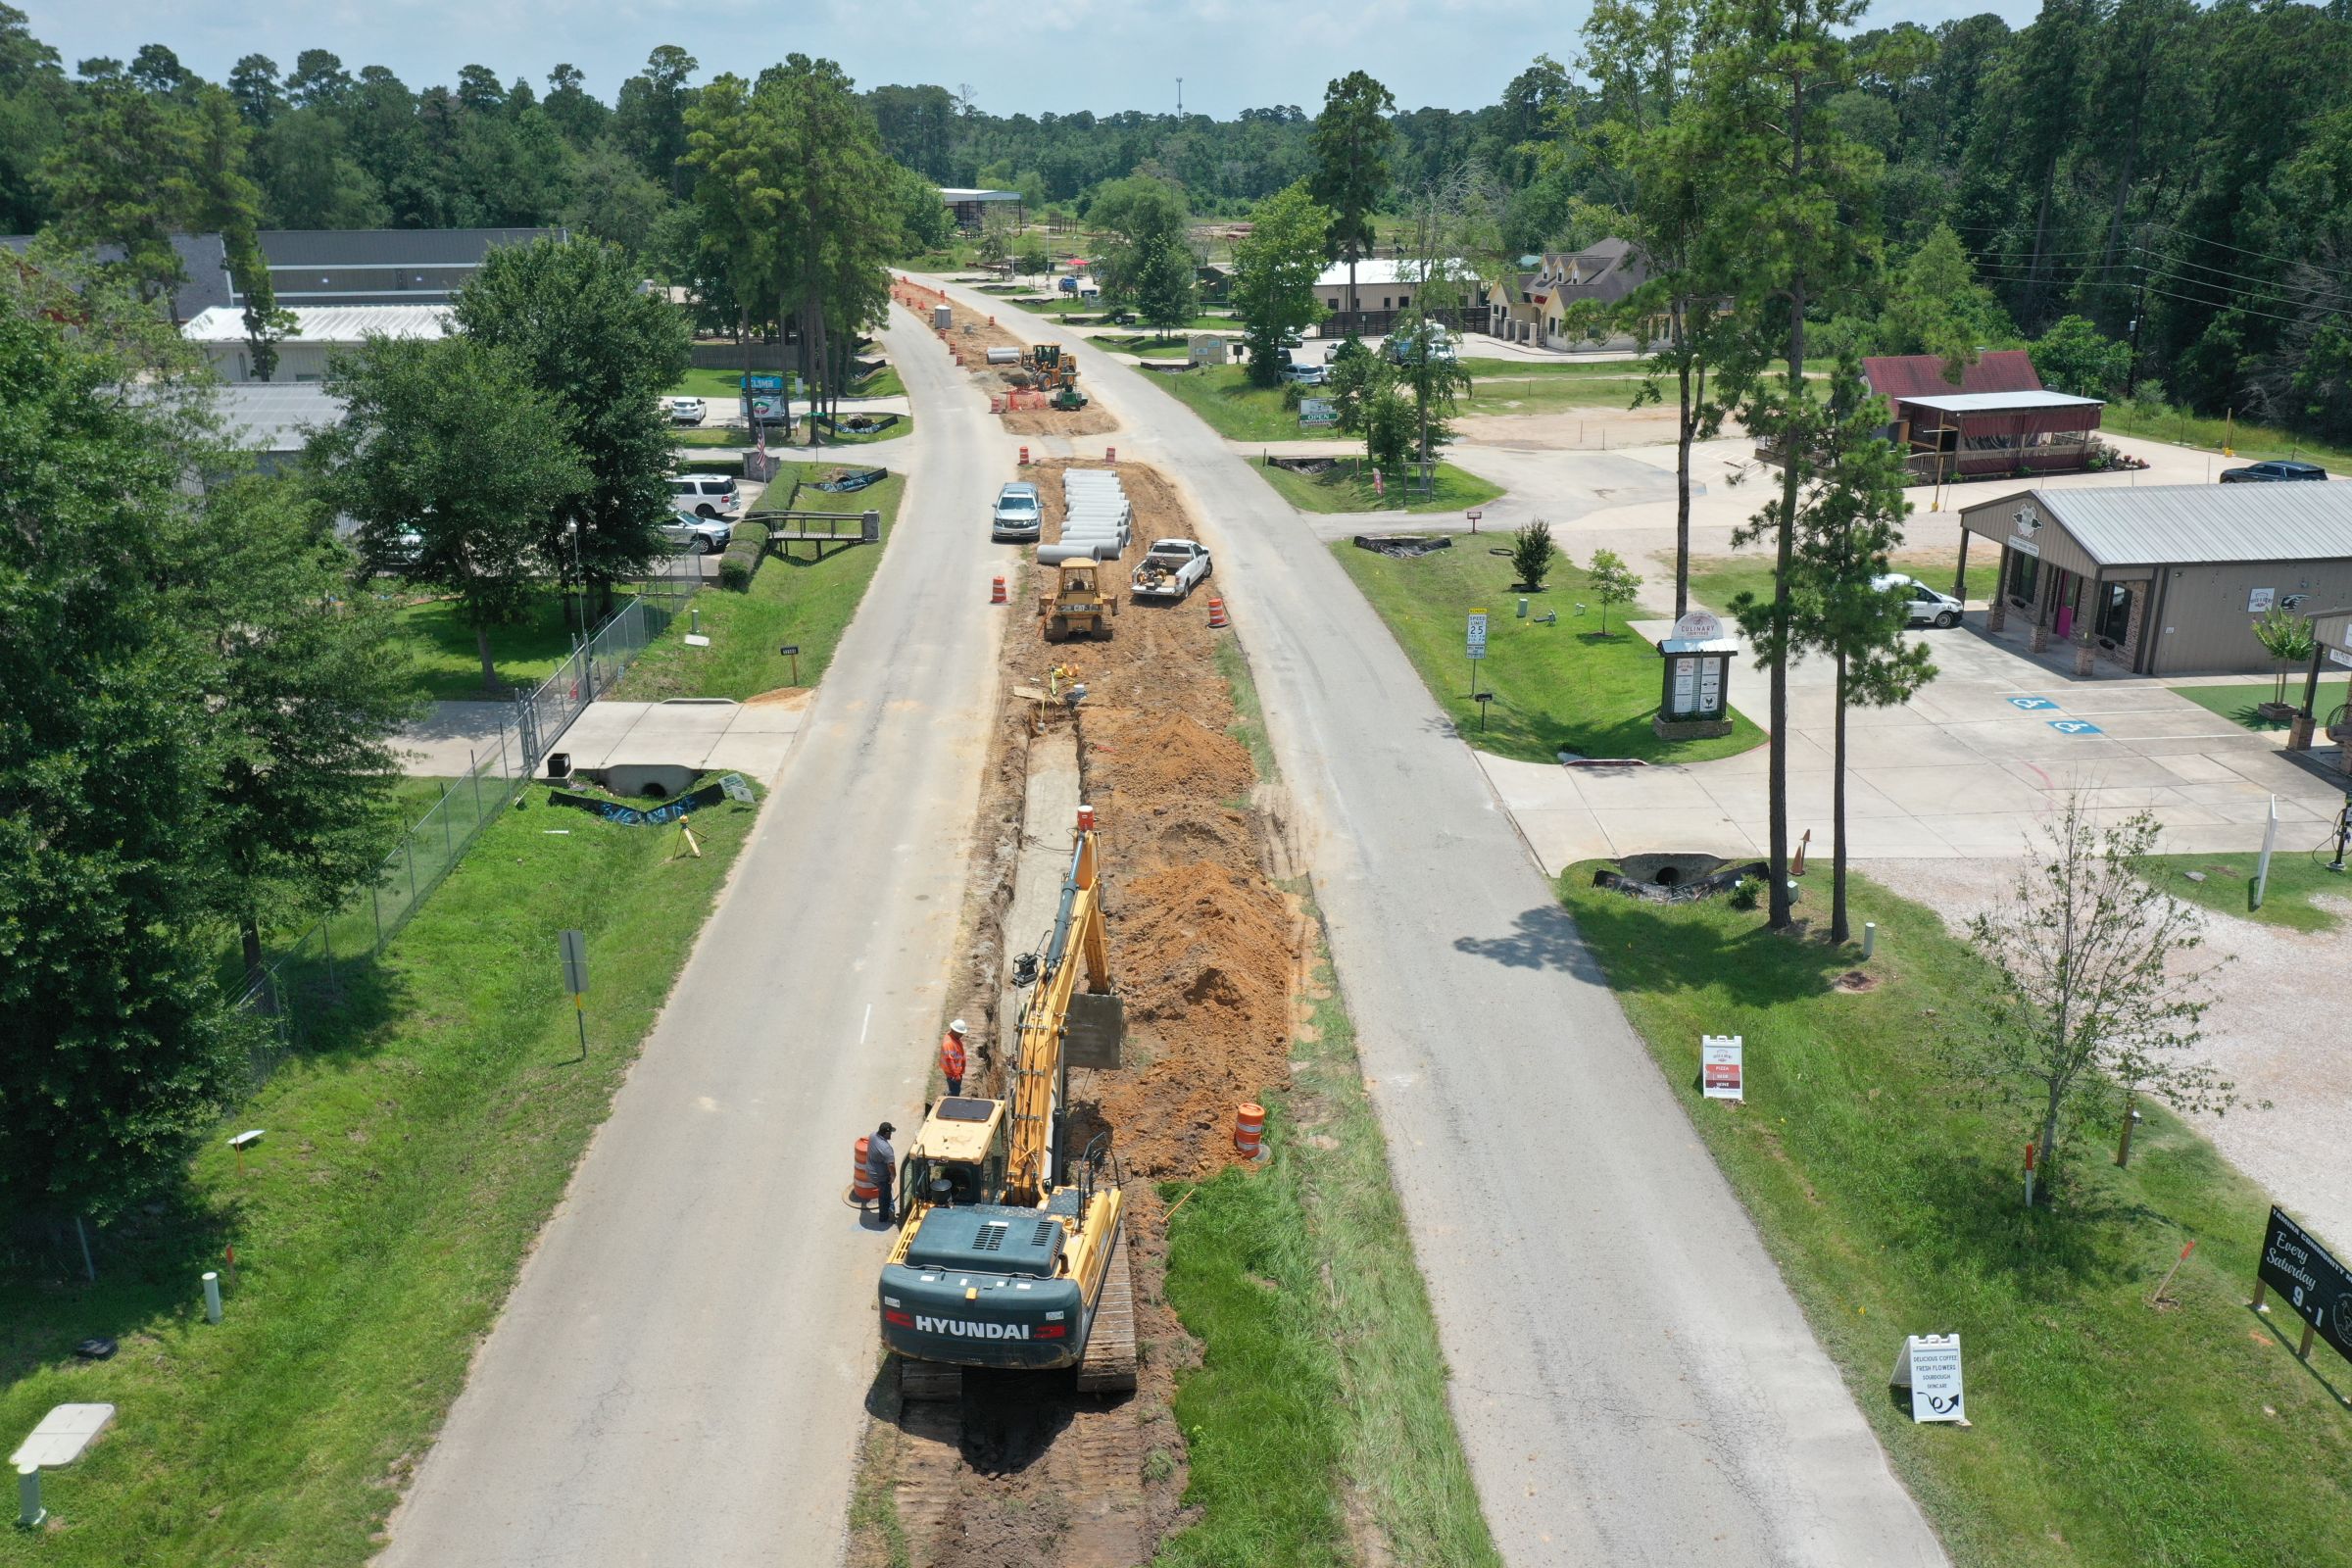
{"x": 958, "y": 1156}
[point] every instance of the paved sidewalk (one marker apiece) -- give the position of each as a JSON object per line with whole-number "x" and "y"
{"x": 744, "y": 737}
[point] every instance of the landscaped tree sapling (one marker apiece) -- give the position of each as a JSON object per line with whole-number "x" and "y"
{"x": 2099, "y": 1000}
{"x": 1613, "y": 583}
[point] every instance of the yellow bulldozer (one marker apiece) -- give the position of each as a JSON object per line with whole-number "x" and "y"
{"x": 1009, "y": 1255}
{"x": 1078, "y": 605}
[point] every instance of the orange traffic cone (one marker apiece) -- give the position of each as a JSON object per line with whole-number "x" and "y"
{"x": 1216, "y": 615}
{"x": 1024, "y": 457}
{"x": 996, "y": 595}
{"x": 1796, "y": 866}
{"x": 1111, "y": 454}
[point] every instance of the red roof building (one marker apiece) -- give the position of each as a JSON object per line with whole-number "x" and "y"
{"x": 1996, "y": 419}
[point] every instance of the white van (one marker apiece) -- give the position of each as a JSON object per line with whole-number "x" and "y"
{"x": 706, "y": 495}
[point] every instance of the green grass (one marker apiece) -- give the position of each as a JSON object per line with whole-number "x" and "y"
{"x": 527, "y": 653}
{"x": 2236, "y": 701}
{"x": 1222, "y": 395}
{"x": 721, "y": 386}
{"x": 797, "y": 601}
{"x": 1555, "y": 686}
{"x": 2297, "y": 875}
{"x": 2248, "y": 443}
{"x": 1715, "y": 580}
{"x": 883, "y": 384}
{"x": 854, "y": 438}
{"x": 709, "y": 435}
{"x": 409, "y": 1165}
{"x": 1344, "y": 487}
{"x": 1321, "y": 1391}
{"x": 2105, "y": 1434}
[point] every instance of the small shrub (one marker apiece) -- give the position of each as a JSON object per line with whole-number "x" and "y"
{"x": 1746, "y": 891}
{"x": 1291, "y": 395}
{"x": 1532, "y": 550}
{"x": 740, "y": 563}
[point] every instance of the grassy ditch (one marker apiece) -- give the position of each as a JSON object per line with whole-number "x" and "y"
{"x": 2298, "y": 874}
{"x": 1347, "y": 486}
{"x": 410, "y": 1162}
{"x": 2246, "y": 443}
{"x": 2106, "y": 1432}
{"x": 1322, "y": 1392}
{"x": 1563, "y": 685}
{"x": 791, "y": 600}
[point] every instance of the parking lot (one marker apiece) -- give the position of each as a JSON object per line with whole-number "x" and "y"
{"x": 1963, "y": 770}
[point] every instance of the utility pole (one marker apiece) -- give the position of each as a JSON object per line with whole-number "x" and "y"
{"x": 1179, "y": 100}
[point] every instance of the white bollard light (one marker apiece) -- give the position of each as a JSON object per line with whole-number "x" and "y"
{"x": 30, "y": 1515}
{"x": 212, "y": 1296}
{"x": 1870, "y": 937}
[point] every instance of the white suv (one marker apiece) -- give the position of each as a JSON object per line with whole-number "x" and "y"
{"x": 706, "y": 495}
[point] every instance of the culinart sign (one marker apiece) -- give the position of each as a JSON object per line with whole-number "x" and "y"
{"x": 1721, "y": 1072}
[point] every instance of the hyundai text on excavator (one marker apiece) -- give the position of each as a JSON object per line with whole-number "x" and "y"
{"x": 1008, "y": 1253}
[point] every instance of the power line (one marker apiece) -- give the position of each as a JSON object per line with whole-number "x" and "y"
{"x": 2238, "y": 277}
{"x": 2224, "y": 244}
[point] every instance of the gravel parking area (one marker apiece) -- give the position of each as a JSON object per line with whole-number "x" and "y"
{"x": 2273, "y": 1028}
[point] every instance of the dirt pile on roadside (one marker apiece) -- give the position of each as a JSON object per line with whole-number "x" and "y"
{"x": 1204, "y": 949}
{"x": 1202, "y": 944}
{"x": 972, "y": 335}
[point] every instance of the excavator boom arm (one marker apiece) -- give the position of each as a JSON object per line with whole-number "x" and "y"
{"x": 1078, "y": 942}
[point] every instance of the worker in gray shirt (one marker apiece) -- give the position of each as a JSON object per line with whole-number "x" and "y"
{"x": 882, "y": 1168}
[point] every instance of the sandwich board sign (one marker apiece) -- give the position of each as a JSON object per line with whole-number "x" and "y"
{"x": 1721, "y": 1070}
{"x": 1929, "y": 1366}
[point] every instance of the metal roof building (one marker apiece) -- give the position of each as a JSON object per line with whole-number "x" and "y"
{"x": 274, "y": 419}
{"x": 2165, "y": 579}
{"x": 1996, "y": 419}
{"x": 318, "y": 330}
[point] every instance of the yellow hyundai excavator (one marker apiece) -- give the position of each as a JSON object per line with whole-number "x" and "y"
{"x": 1008, "y": 1253}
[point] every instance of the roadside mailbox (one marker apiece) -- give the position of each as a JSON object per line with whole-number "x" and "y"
{"x": 1693, "y": 698}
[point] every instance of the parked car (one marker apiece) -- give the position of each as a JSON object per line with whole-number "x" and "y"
{"x": 697, "y": 536}
{"x": 1017, "y": 513}
{"x": 1927, "y": 607}
{"x": 706, "y": 495}
{"x": 1170, "y": 570}
{"x": 1441, "y": 344}
{"x": 685, "y": 411}
{"x": 2268, "y": 473}
{"x": 1305, "y": 375}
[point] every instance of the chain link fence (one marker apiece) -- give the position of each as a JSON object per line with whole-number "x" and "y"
{"x": 326, "y": 968}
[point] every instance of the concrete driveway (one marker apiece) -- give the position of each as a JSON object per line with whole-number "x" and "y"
{"x": 1967, "y": 768}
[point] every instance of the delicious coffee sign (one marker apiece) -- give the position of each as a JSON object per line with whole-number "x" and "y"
{"x": 2309, "y": 1280}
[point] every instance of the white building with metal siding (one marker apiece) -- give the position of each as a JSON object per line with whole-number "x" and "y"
{"x": 2165, "y": 579}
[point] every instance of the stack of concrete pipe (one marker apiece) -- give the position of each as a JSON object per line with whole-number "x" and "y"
{"x": 1098, "y": 519}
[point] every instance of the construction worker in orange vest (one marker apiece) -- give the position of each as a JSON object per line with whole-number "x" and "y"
{"x": 951, "y": 1057}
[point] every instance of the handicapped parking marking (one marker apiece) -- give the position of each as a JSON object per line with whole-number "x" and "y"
{"x": 2074, "y": 726}
{"x": 2032, "y": 704}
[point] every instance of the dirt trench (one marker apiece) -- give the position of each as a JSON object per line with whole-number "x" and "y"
{"x": 1205, "y": 948}
{"x": 970, "y": 338}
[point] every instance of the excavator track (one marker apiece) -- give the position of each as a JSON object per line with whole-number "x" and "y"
{"x": 926, "y": 1382}
{"x": 1109, "y": 1366}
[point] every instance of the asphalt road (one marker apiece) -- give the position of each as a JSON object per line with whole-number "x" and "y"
{"x": 680, "y": 1374}
{"x": 1633, "y": 1381}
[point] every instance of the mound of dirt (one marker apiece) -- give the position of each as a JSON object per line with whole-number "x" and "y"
{"x": 1168, "y": 759}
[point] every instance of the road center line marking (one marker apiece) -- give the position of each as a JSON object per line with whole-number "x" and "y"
{"x": 867, "y": 1023}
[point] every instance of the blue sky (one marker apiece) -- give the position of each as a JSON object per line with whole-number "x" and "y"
{"x": 1101, "y": 55}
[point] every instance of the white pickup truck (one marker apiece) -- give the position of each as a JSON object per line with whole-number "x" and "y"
{"x": 1170, "y": 570}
